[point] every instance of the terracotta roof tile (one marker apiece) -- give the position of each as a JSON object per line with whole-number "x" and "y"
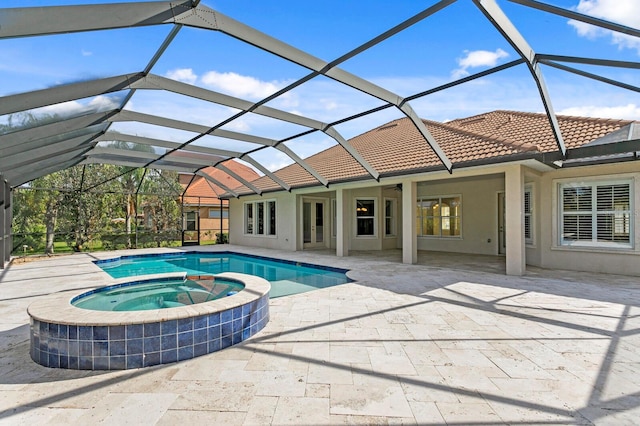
{"x": 202, "y": 191}
{"x": 398, "y": 146}
{"x": 535, "y": 128}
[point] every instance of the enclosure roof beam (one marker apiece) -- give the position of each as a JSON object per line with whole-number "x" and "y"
{"x": 160, "y": 121}
{"x": 45, "y": 131}
{"x": 113, "y": 136}
{"x": 216, "y": 182}
{"x": 125, "y": 153}
{"x": 26, "y": 21}
{"x": 34, "y": 162}
{"x": 38, "y": 166}
{"x": 216, "y": 21}
{"x": 21, "y": 179}
{"x": 88, "y": 132}
{"x": 158, "y": 82}
{"x": 579, "y": 17}
{"x": 266, "y": 171}
{"x": 36, "y": 21}
{"x": 131, "y": 154}
{"x": 238, "y": 178}
{"x": 588, "y": 61}
{"x": 156, "y": 57}
{"x": 354, "y": 153}
{"x": 125, "y": 137}
{"x": 127, "y": 115}
{"x": 511, "y": 34}
{"x": 131, "y": 162}
{"x": 17, "y": 157}
{"x": 591, "y": 76}
{"x": 66, "y": 92}
{"x": 282, "y": 147}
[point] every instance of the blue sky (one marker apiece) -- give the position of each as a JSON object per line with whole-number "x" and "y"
{"x": 454, "y": 42}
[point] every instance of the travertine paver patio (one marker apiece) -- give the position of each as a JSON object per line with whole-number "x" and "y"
{"x": 449, "y": 341}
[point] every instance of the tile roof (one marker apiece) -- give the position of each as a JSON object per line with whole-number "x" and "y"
{"x": 535, "y": 129}
{"x": 397, "y": 147}
{"x": 203, "y": 192}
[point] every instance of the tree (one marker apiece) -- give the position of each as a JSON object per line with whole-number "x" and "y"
{"x": 130, "y": 182}
{"x": 160, "y": 203}
{"x": 50, "y": 200}
{"x": 83, "y": 202}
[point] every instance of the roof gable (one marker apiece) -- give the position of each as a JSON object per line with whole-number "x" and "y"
{"x": 203, "y": 191}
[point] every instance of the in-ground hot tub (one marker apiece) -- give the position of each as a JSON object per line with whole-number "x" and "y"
{"x": 66, "y": 336}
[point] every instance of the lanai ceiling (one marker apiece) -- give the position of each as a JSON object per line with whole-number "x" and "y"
{"x": 86, "y": 135}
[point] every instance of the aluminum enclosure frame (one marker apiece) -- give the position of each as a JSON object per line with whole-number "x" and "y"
{"x": 33, "y": 152}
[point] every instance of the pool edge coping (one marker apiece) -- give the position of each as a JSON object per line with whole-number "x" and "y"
{"x": 107, "y": 260}
{"x": 58, "y": 308}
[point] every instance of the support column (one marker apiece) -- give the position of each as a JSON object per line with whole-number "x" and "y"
{"x": 6, "y": 216}
{"x": 8, "y": 220}
{"x": 2, "y": 230}
{"x": 514, "y": 220}
{"x": 409, "y": 235}
{"x": 342, "y": 233}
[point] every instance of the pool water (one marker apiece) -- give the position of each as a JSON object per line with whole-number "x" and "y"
{"x": 157, "y": 294}
{"x": 286, "y": 277}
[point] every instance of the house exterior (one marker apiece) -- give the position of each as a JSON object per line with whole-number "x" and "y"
{"x": 510, "y": 193}
{"x": 204, "y": 213}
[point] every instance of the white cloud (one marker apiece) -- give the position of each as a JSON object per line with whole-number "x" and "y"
{"x": 625, "y": 12}
{"x": 63, "y": 109}
{"x": 185, "y": 75}
{"x": 71, "y": 108}
{"x": 627, "y": 112}
{"x": 325, "y": 100}
{"x": 241, "y": 86}
{"x": 329, "y": 104}
{"x": 102, "y": 103}
{"x": 238, "y": 125}
{"x": 288, "y": 100}
{"x": 477, "y": 58}
{"x": 272, "y": 159}
{"x": 86, "y": 52}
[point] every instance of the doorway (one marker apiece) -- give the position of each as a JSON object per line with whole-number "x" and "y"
{"x": 191, "y": 228}
{"x": 313, "y": 221}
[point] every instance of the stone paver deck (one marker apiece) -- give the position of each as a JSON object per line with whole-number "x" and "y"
{"x": 451, "y": 340}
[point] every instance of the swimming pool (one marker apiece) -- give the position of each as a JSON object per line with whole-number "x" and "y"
{"x": 286, "y": 277}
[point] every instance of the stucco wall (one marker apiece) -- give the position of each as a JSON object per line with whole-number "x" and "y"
{"x": 479, "y": 219}
{"x": 285, "y": 238}
{"x": 479, "y": 214}
{"x": 619, "y": 261}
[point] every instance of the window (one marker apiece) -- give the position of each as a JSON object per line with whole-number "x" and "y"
{"x": 190, "y": 221}
{"x": 365, "y": 217}
{"x": 528, "y": 215}
{"x": 248, "y": 218}
{"x": 439, "y": 216}
{"x": 214, "y": 213}
{"x": 260, "y": 218}
{"x": 596, "y": 214}
{"x": 389, "y": 217}
{"x": 271, "y": 211}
